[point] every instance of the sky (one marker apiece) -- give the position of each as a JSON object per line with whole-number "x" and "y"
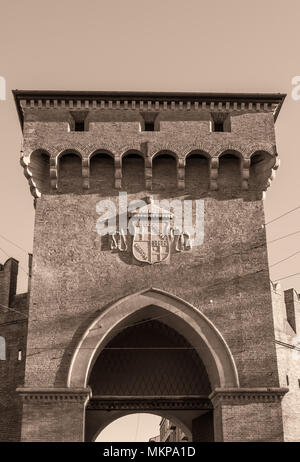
{"x": 131, "y": 428}
{"x": 158, "y": 45}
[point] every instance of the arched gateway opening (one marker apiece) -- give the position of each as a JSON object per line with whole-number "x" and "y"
{"x": 144, "y": 427}
{"x": 152, "y": 352}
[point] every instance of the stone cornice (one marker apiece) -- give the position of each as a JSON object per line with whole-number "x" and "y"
{"x": 74, "y": 395}
{"x": 242, "y": 396}
{"x": 149, "y": 403}
{"x": 220, "y": 396}
{"x": 148, "y": 101}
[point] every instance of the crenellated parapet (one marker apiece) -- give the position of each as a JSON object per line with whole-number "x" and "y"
{"x": 215, "y": 128}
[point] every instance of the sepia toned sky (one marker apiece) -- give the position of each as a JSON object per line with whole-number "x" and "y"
{"x": 157, "y": 45}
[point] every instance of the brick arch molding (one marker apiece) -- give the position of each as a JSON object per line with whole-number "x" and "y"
{"x": 173, "y": 311}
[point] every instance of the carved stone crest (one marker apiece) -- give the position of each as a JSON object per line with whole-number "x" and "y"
{"x": 149, "y": 244}
{"x": 152, "y": 235}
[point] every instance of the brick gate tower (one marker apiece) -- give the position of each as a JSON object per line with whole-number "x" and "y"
{"x": 179, "y": 324}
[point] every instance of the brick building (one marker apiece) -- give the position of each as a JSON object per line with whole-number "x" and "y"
{"x": 169, "y": 432}
{"x": 120, "y": 324}
{"x": 13, "y": 336}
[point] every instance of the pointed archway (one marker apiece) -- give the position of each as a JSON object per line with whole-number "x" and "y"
{"x": 152, "y": 352}
{"x": 179, "y": 315}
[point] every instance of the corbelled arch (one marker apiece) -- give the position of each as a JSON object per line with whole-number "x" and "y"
{"x": 65, "y": 152}
{"x": 198, "y": 148}
{"x": 167, "y": 152}
{"x": 198, "y": 152}
{"x": 236, "y": 149}
{"x": 125, "y": 151}
{"x": 160, "y": 146}
{"x": 101, "y": 151}
{"x": 39, "y": 171}
{"x": 252, "y": 148}
{"x": 27, "y": 170}
{"x": 174, "y": 312}
{"x": 38, "y": 151}
{"x": 262, "y": 169}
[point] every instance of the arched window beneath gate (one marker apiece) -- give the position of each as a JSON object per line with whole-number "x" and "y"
{"x": 2, "y": 349}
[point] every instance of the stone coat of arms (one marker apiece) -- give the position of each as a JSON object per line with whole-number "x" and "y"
{"x": 152, "y": 236}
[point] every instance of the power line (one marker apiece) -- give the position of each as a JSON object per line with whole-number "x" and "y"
{"x": 136, "y": 348}
{"x": 13, "y": 309}
{"x": 249, "y": 248}
{"x": 14, "y": 321}
{"x": 283, "y": 237}
{"x": 149, "y": 319}
{"x": 201, "y": 287}
{"x": 268, "y": 242}
{"x": 168, "y": 314}
{"x": 153, "y": 318}
{"x": 287, "y": 345}
{"x": 178, "y": 311}
{"x": 13, "y": 243}
{"x": 286, "y": 277}
{"x": 283, "y": 215}
{"x": 284, "y": 259}
{"x": 9, "y": 256}
{"x": 138, "y": 323}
